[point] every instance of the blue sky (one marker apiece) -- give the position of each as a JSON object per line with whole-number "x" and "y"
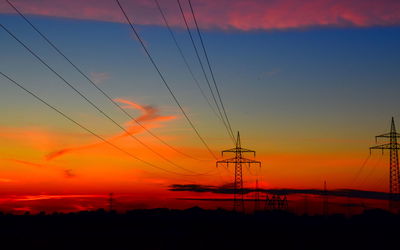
{"x": 329, "y": 79}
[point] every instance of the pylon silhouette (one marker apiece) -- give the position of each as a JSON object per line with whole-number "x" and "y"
{"x": 393, "y": 146}
{"x": 238, "y": 161}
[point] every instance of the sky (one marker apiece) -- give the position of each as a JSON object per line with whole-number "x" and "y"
{"x": 307, "y": 83}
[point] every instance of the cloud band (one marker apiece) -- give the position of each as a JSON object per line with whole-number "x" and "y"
{"x": 243, "y": 15}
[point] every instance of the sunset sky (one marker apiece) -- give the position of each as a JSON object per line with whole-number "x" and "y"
{"x": 307, "y": 83}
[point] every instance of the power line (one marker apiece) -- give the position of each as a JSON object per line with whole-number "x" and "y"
{"x": 163, "y": 79}
{"x": 88, "y": 130}
{"x": 184, "y": 58}
{"x": 372, "y": 170}
{"x": 91, "y": 103}
{"x": 209, "y": 65}
{"x": 204, "y": 71}
{"x": 93, "y": 84}
{"x": 361, "y": 168}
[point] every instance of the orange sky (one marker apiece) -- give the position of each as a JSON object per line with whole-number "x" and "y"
{"x": 298, "y": 78}
{"x": 39, "y": 161}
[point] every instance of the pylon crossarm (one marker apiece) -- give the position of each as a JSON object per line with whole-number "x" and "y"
{"x": 235, "y": 160}
{"x": 224, "y": 163}
{"x": 227, "y": 151}
{"x": 242, "y": 150}
{"x": 249, "y": 165}
{"x": 230, "y": 160}
{"x": 387, "y": 146}
{"x": 247, "y": 150}
{"x": 245, "y": 160}
{"x": 219, "y": 163}
{"x": 388, "y": 135}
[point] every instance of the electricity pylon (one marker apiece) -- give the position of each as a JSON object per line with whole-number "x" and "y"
{"x": 277, "y": 202}
{"x": 256, "y": 197}
{"x": 326, "y": 201}
{"x": 393, "y": 146}
{"x": 110, "y": 202}
{"x": 238, "y": 161}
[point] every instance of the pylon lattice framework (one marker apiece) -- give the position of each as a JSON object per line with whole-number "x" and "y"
{"x": 325, "y": 204}
{"x": 276, "y": 202}
{"x": 110, "y": 202}
{"x": 393, "y": 146}
{"x": 238, "y": 161}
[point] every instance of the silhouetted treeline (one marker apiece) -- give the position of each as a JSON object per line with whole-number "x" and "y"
{"x": 198, "y": 229}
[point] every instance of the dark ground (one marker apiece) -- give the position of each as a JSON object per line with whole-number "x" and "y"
{"x": 199, "y": 229}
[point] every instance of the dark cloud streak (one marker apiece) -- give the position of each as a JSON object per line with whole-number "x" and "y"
{"x": 351, "y": 193}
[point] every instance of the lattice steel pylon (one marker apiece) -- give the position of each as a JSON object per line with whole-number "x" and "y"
{"x": 239, "y": 161}
{"x": 325, "y": 209}
{"x": 277, "y": 202}
{"x": 110, "y": 202}
{"x": 257, "y": 197}
{"x": 394, "y": 175}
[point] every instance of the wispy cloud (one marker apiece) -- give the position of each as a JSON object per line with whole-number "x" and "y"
{"x": 50, "y": 197}
{"x": 269, "y": 73}
{"x": 28, "y": 163}
{"x": 99, "y": 77}
{"x": 150, "y": 118}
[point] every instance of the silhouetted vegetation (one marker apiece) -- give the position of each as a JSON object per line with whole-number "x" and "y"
{"x": 196, "y": 228}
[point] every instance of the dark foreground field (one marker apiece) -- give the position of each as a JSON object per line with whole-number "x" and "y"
{"x": 198, "y": 229}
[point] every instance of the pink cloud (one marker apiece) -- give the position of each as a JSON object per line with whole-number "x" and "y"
{"x": 28, "y": 163}
{"x": 149, "y": 118}
{"x": 149, "y": 113}
{"x": 226, "y": 14}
